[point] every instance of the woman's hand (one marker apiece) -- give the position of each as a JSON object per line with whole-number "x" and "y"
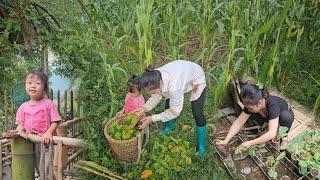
{"x": 47, "y": 137}
{"x": 244, "y": 146}
{"x": 145, "y": 122}
{"x": 139, "y": 111}
{"x": 222, "y": 142}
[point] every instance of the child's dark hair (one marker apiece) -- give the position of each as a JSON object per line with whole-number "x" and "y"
{"x": 41, "y": 75}
{"x": 251, "y": 94}
{"x": 134, "y": 83}
{"x": 151, "y": 78}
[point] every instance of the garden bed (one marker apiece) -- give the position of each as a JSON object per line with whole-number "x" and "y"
{"x": 255, "y": 165}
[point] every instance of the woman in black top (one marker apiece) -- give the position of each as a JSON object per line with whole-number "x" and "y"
{"x": 262, "y": 108}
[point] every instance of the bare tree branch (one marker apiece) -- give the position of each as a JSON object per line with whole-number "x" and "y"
{"x": 45, "y": 10}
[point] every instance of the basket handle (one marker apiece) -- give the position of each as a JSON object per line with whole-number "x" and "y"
{"x": 139, "y": 147}
{"x": 142, "y": 139}
{"x": 145, "y": 137}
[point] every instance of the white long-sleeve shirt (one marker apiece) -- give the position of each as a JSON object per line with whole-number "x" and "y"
{"x": 178, "y": 77}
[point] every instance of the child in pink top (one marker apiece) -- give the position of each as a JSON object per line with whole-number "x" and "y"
{"x": 134, "y": 98}
{"x": 38, "y": 115}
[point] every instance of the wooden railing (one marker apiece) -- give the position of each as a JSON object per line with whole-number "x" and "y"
{"x": 61, "y": 155}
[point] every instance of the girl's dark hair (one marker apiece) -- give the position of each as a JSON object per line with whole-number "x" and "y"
{"x": 41, "y": 75}
{"x": 134, "y": 83}
{"x": 151, "y": 78}
{"x": 251, "y": 94}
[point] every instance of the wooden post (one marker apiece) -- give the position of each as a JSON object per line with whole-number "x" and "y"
{"x": 1, "y": 177}
{"x": 78, "y": 111}
{"x": 13, "y": 117}
{"x": 51, "y": 173}
{"x": 71, "y": 104}
{"x": 79, "y": 105}
{"x": 65, "y": 104}
{"x": 45, "y": 63}
{"x": 22, "y": 159}
{"x": 63, "y": 132}
{"x": 59, "y": 102}
{"x": 71, "y": 111}
{"x": 42, "y": 162}
{"x": 51, "y": 94}
{"x": 60, "y": 168}
{"x": 44, "y": 57}
{"x": 6, "y": 106}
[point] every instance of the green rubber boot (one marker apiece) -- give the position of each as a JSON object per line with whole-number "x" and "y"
{"x": 169, "y": 127}
{"x": 201, "y": 134}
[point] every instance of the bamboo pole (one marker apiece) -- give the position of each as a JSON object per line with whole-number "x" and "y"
{"x": 23, "y": 159}
{"x": 65, "y": 104}
{"x": 58, "y": 96}
{"x": 1, "y": 161}
{"x": 5, "y": 142}
{"x": 78, "y": 99}
{"x": 13, "y": 110}
{"x": 70, "y": 122}
{"x": 5, "y": 110}
{"x": 97, "y": 169}
{"x": 6, "y": 164}
{"x": 74, "y": 142}
{"x": 71, "y": 104}
{"x": 7, "y": 157}
{"x": 63, "y": 132}
{"x": 75, "y": 155}
{"x": 55, "y": 161}
{"x": 60, "y": 168}
{"x": 42, "y": 162}
{"x": 71, "y": 111}
{"x": 51, "y": 173}
{"x": 51, "y": 94}
{"x": 78, "y": 110}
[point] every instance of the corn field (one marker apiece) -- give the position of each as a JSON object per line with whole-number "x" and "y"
{"x": 228, "y": 38}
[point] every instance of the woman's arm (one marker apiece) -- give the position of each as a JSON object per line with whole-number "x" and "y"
{"x": 152, "y": 102}
{"x": 270, "y": 134}
{"x": 176, "y": 106}
{"x": 235, "y": 128}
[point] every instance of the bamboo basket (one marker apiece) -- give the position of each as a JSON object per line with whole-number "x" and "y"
{"x": 125, "y": 150}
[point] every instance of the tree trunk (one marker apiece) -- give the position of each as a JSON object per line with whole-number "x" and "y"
{"x": 27, "y": 30}
{"x": 22, "y": 159}
{"x": 44, "y": 58}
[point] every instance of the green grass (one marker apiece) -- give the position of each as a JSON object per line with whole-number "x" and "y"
{"x": 300, "y": 84}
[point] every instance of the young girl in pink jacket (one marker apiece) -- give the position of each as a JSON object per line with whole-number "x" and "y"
{"x": 134, "y": 98}
{"x": 38, "y": 115}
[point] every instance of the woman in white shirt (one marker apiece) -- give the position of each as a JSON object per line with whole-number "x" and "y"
{"x": 172, "y": 81}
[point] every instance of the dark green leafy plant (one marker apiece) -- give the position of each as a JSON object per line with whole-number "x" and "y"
{"x": 272, "y": 164}
{"x": 282, "y": 132}
{"x": 305, "y": 149}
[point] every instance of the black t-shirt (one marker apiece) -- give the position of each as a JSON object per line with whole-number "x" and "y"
{"x": 274, "y": 106}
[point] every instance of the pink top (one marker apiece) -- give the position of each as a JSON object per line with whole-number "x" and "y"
{"x": 131, "y": 103}
{"x": 37, "y": 118}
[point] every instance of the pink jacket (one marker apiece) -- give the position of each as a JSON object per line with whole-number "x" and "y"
{"x": 37, "y": 118}
{"x": 131, "y": 103}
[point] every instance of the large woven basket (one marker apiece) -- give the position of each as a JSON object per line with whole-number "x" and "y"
{"x": 125, "y": 150}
